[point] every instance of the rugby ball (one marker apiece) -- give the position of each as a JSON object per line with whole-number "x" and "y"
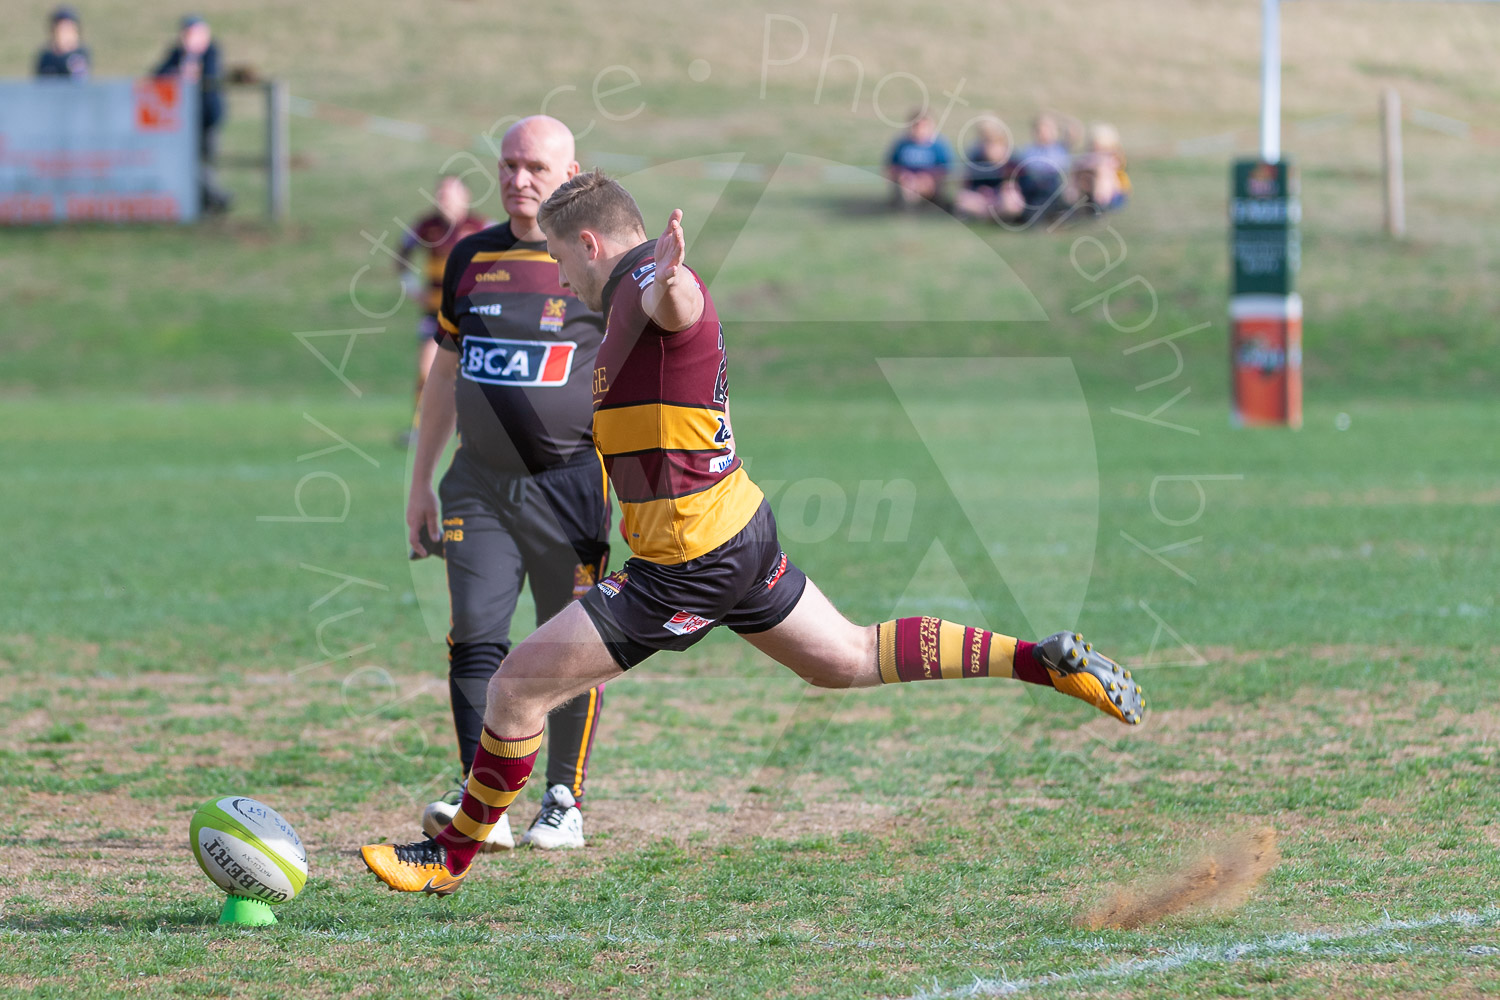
{"x": 248, "y": 849}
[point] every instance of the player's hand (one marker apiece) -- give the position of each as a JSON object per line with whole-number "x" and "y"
{"x": 671, "y": 248}
{"x": 672, "y": 304}
{"x": 422, "y": 512}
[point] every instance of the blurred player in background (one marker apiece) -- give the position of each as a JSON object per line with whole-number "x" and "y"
{"x": 65, "y": 54}
{"x": 526, "y": 496}
{"x": 435, "y": 235}
{"x": 702, "y": 537}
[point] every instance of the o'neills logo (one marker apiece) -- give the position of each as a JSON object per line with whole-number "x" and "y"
{"x": 494, "y": 274}
{"x": 927, "y": 645}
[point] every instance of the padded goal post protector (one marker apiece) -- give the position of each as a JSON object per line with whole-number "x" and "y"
{"x": 1265, "y": 311}
{"x": 1265, "y": 347}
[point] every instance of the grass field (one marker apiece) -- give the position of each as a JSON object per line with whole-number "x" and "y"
{"x": 752, "y": 836}
{"x": 1317, "y": 641}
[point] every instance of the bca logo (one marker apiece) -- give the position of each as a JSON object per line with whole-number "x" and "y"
{"x": 517, "y": 362}
{"x": 157, "y": 105}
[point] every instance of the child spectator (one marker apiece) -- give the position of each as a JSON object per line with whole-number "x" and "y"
{"x": 195, "y": 60}
{"x": 1100, "y": 172}
{"x": 64, "y": 55}
{"x": 989, "y": 188}
{"x": 1044, "y": 167}
{"x": 918, "y": 163}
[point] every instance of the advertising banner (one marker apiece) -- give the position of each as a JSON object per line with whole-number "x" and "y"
{"x": 98, "y": 151}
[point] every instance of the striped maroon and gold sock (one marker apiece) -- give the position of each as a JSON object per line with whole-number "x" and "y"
{"x": 500, "y": 770}
{"x": 930, "y": 649}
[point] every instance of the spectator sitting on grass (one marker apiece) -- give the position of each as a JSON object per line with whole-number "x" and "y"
{"x": 918, "y": 163}
{"x": 1099, "y": 173}
{"x": 64, "y": 55}
{"x": 989, "y": 186}
{"x": 1043, "y": 170}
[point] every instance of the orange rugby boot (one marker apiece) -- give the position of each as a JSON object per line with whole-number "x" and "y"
{"x": 1078, "y": 669}
{"x": 419, "y": 867}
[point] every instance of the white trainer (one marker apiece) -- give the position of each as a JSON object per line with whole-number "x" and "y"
{"x": 436, "y": 815}
{"x": 559, "y": 824}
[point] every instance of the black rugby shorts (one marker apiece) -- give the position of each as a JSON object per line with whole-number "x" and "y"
{"x": 747, "y": 584}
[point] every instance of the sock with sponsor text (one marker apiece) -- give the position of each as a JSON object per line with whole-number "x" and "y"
{"x": 930, "y": 649}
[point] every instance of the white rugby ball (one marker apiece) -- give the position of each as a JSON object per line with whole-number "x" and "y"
{"x": 248, "y": 849}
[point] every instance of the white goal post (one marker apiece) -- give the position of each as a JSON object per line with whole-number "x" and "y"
{"x": 1270, "y": 73}
{"x": 1390, "y": 116}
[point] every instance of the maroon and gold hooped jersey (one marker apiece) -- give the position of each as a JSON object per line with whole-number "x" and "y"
{"x": 661, "y": 421}
{"x": 438, "y": 237}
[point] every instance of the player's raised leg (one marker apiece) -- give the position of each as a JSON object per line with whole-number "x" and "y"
{"x": 825, "y": 648}
{"x": 557, "y": 662}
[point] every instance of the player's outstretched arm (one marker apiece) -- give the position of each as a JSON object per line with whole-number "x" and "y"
{"x": 439, "y": 421}
{"x": 673, "y": 301}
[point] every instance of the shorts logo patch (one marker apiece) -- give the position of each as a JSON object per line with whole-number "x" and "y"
{"x": 614, "y": 583}
{"x": 684, "y": 623}
{"x": 554, "y": 311}
{"x": 775, "y": 573}
{"x": 517, "y": 362}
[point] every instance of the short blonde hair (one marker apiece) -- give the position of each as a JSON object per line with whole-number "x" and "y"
{"x": 1104, "y": 138}
{"x": 591, "y": 200}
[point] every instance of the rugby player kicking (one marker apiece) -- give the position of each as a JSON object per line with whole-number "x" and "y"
{"x": 704, "y": 544}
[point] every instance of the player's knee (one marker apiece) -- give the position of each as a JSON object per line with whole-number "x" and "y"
{"x": 511, "y": 706}
{"x": 521, "y": 691}
{"x": 509, "y": 689}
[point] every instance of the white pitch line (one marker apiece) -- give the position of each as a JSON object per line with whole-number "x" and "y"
{"x": 1279, "y": 944}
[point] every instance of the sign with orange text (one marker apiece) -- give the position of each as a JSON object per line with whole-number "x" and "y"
{"x": 98, "y": 151}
